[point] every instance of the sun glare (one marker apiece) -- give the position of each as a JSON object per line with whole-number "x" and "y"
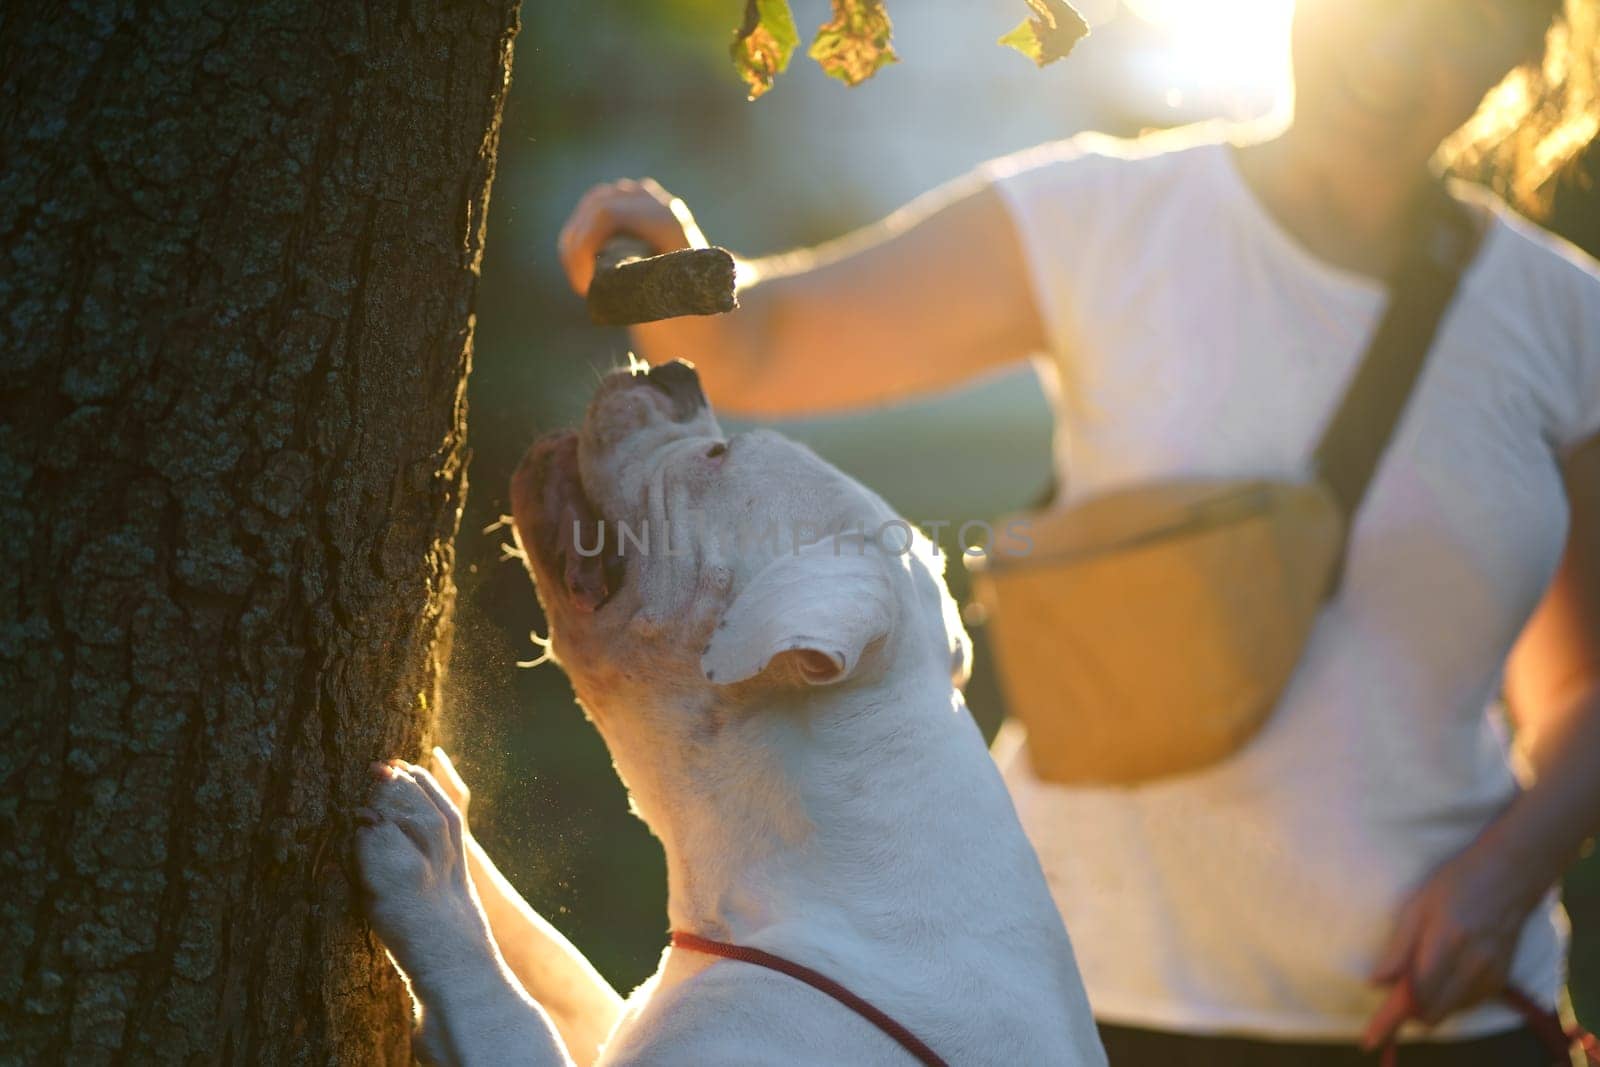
{"x": 1241, "y": 43}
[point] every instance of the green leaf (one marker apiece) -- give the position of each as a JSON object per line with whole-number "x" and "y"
{"x": 763, "y": 43}
{"x": 854, "y": 44}
{"x": 1050, "y": 34}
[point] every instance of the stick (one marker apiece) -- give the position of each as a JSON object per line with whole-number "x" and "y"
{"x": 632, "y": 285}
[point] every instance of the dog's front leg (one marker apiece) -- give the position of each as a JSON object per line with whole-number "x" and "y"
{"x": 582, "y": 1004}
{"x": 421, "y": 903}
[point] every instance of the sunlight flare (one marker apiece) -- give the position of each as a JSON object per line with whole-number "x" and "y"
{"x": 1244, "y": 42}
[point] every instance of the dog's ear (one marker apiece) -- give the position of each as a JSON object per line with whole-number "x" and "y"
{"x": 818, "y": 606}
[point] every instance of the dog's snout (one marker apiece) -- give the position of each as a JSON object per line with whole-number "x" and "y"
{"x": 681, "y": 383}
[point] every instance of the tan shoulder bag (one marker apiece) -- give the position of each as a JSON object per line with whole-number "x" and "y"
{"x": 1150, "y": 631}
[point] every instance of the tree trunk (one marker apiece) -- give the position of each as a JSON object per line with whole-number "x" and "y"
{"x": 238, "y": 262}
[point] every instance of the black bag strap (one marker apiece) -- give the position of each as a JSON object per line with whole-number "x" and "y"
{"x": 1444, "y": 240}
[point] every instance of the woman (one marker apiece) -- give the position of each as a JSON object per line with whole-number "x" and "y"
{"x": 1368, "y": 866}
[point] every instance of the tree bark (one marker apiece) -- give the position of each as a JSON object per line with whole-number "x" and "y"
{"x": 239, "y": 248}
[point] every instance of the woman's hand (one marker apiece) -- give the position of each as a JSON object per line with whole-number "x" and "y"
{"x": 924, "y": 300}
{"x": 641, "y": 208}
{"x": 1453, "y": 941}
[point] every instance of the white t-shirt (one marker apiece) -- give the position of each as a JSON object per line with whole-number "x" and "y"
{"x": 1195, "y": 338}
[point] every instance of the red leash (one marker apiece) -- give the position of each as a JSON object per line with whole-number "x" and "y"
{"x": 902, "y": 1037}
{"x": 1546, "y": 1026}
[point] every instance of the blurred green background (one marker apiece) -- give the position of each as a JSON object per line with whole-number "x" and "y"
{"x": 627, "y": 88}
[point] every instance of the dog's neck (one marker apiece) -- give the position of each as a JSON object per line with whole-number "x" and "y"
{"x": 863, "y": 831}
{"x": 821, "y": 807}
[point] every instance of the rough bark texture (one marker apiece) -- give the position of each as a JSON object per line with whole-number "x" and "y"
{"x": 239, "y": 246}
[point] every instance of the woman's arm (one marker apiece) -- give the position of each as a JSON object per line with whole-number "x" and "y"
{"x": 1558, "y": 656}
{"x": 583, "y": 1007}
{"x": 929, "y": 297}
{"x": 1455, "y": 939}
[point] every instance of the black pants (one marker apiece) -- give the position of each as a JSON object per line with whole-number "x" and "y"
{"x": 1129, "y": 1047}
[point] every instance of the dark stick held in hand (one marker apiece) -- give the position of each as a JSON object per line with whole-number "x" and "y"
{"x": 632, "y": 284}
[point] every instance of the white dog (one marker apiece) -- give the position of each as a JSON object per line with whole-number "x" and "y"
{"x": 790, "y": 725}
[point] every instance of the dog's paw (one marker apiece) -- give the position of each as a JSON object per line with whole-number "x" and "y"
{"x": 414, "y": 870}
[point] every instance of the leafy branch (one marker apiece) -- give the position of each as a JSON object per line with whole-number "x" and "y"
{"x": 1050, "y": 34}
{"x": 855, "y": 43}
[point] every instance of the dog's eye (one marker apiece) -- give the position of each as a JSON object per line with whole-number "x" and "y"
{"x": 716, "y": 450}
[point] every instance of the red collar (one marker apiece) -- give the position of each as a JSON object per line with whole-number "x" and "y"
{"x": 903, "y": 1037}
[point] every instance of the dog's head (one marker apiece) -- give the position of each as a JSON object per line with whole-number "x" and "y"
{"x": 679, "y": 566}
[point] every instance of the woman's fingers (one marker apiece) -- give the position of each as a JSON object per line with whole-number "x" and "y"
{"x": 1396, "y": 1008}
{"x": 1440, "y": 958}
{"x": 1458, "y": 991}
{"x": 641, "y": 208}
{"x": 1394, "y": 968}
{"x": 1395, "y": 959}
{"x": 692, "y": 237}
{"x": 571, "y": 227}
{"x": 580, "y": 241}
{"x": 1457, "y": 974}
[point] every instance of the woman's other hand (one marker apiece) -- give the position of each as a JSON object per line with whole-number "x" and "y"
{"x": 1453, "y": 941}
{"x": 640, "y": 208}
